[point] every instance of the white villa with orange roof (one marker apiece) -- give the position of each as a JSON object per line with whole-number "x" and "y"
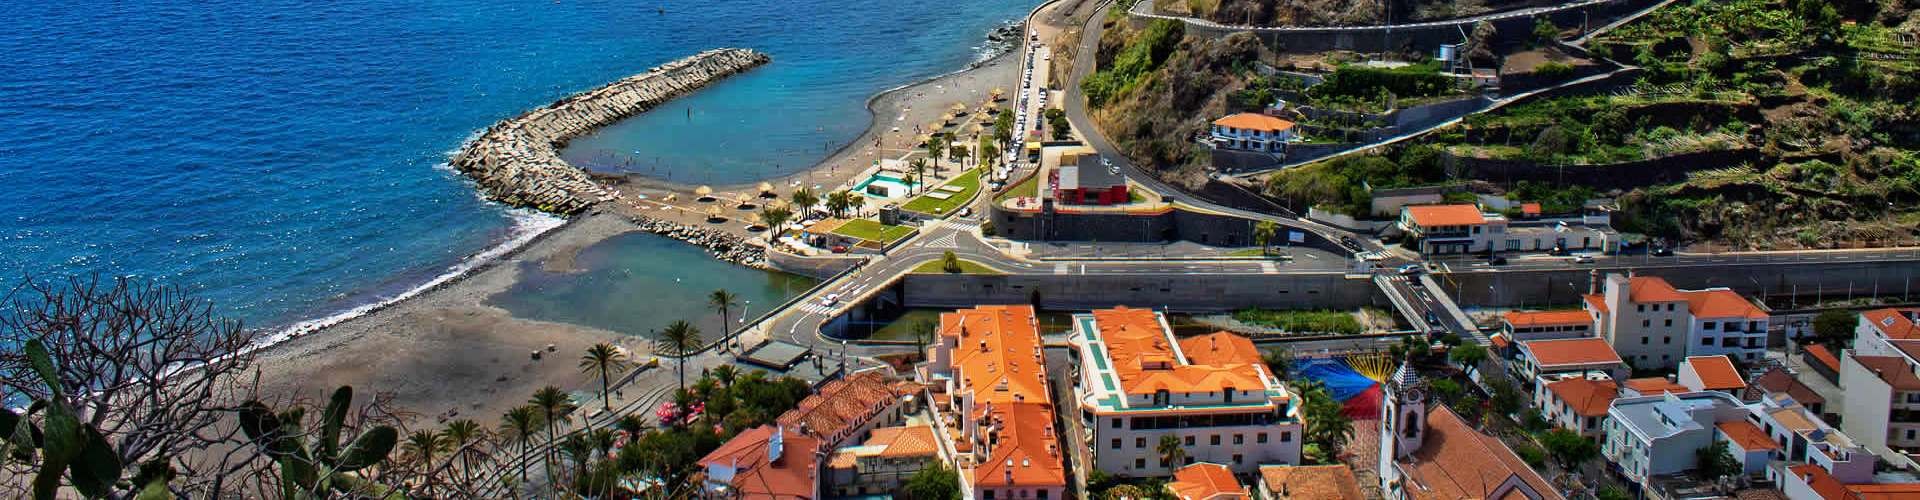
{"x": 995, "y": 415}
{"x": 1458, "y": 228}
{"x": 1211, "y": 392}
{"x": 1654, "y": 325}
{"x": 1253, "y": 132}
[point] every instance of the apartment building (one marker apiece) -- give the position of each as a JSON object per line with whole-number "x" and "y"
{"x": 994, "y": 414}
{"x": 1541, "y": 361}
{"x": 1522, "y": 326}
{"x": 1211, "y": 393}
{"x": 1651, "y": 324}
{"x": 1656, "y": 435}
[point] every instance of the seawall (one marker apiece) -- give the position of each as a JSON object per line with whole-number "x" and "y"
{"x": 517, "y": 161}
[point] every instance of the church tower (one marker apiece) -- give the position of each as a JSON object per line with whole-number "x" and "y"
{"x": 1403, "y": 420}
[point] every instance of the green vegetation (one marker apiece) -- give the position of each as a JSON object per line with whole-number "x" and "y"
{"x": 934, "y": 482}
{"x": 1321, "y": 321}
{"x": 965, "y": 267}
{"x": 874, "y": 231}
{"x": 1158, "y": 87}
{"x": 1353, "y": 84}
{"x": 1341, "y": 185}
{"x": 969, "y": 182}
{"x": 1026, "y": 188}
{"x": 1134, "y": 63}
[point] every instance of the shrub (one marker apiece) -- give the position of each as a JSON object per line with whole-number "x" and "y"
{"x": 1554, "y": 69}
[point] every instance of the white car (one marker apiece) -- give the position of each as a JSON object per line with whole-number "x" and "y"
{"x": 1583, "y": 259}
{"x": 830, "y": 299}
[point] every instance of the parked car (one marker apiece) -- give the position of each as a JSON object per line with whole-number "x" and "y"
{"x": 1497, "y": 261}
{"x": 1583, "y": 259}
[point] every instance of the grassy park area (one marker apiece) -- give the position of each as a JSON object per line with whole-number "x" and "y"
{"x": 1320, "y": 321}
{"x": 871, "y": 230}
{"x": 966, "y": 267}
{"x": 1027, "y": 188}
{"x": 969, "y": 184}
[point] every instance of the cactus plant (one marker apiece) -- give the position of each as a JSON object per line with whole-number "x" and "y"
{"x": 68, "y": 447}
{"x": 326, "y": 465}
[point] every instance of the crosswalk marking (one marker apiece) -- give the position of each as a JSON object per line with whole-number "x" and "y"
{"x": 949, "y": 240}
{"x": 1060, "y": 268}
{"x": 1269, "y": 268}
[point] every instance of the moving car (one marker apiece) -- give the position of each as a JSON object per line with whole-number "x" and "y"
{"x": 1583, "y": 259}
{"x": 1410, "y": 269}
{"x": 830, "y": 299}
{"x": 1497, "y": 261}
{"x": 1662, "y": 251}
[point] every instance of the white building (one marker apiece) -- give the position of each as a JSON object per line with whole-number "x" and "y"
{"x": 1881, "y": 374}
{"x": 1253, "y": 132}
{"x": 1653, "y": 325}
{"x": 1657, "y": 435}
{"x": 1212, "y": 393}
{"x": 1434, "y": 454}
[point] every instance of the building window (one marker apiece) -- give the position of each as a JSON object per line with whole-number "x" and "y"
{"x": 1189, "y": 460}
{"x": 1213, "y": 440}
{"x": 1669, "y": 322}
{"x": 1139, "y": 463}
{"x": 1645, "y": 323}
{"x": 1260, "y": 438}
{"x": 1667, "y": 340}
{"x": 1116, "y": 423}
{"x": 1285, "y": 436}
{"x": 1709, "y": 325}
{"x": 1643, "y": 340}
{"x": 1640, "y": 307}
{"x": 1237, "y": 459}
{"x": 1239, "y": 439}
{"x": 1706, "y": 340}
{"x": 1042, "y": 495}
{"x": 1669, "y": 307}
{"x": 1139, "y": 442}
{"x": 988, "y": 495}
{"x": 1189, "y": 441}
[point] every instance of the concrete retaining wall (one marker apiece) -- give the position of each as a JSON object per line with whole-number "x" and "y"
{"x": 1809, "y": 280}
{"x": 517, "y": 161}
{"x": 821, "y": 266}
{"x": 1177, "y": 292}
{"x": 1167, "y": 225}
{"x": 1627, "y": 175}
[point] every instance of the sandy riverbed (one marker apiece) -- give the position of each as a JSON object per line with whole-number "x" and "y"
{"x": 447, "y": 353}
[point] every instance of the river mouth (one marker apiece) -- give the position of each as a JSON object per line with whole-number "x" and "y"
{"x": 636, "y": 283}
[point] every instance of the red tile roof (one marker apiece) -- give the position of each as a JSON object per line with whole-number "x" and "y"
{"x": 904, "y": 441}
{"x": 1909, "y": 347}
{"x": 1747, "y": 436}
{"x": 1721, "y": 303}
{"x": 1254, "y": 121}
{"x": 1445, "y": 215}
{"x": 1205, "y": 481}
{"x": 841, "y": 406}
{"x": 1499, "y": 340}
{"x": 1891, "y": 369}
{"x": 1893, "y": 322}
{"x": 1820, "y": 354}
{"x": 1568, "y": 317}
{"x": 1564, "y": 352}
{"x": 1144, "y": 358}
{"x": 1455, "y": 462}
{"x": 1530, "y": 208}
{"x": 1652, "y": 289}
{"x": 1778, "y": 380}
{"x": 791, "y": 476}
{"x": 1312, "y": 482}
{"x": 1828, "y": 488}
{"x": 1654, "y": 386}
{"x": 1596, "y": 302}
{"x": 998, "y": 359}
{"x": 1716, "y": 373}
{"x": 1589, "y": 398}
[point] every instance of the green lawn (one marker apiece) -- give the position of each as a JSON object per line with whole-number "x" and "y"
{"x": 966, "y": 267}
{"x": 1254, "y": 252}
{"x": 1028, "y": 188}
{"x": 969, "y": 183}
{"x": 1322, "y": 321}
{"x": 872, "y": 230}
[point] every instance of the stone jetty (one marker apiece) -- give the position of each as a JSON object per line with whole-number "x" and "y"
{"x": 517, "y": 161}
{"x": 727, "y": 247}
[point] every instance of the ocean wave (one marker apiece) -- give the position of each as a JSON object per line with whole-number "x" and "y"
{"x": 527, "y": 226}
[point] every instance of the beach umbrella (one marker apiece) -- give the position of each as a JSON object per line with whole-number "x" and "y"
{"x": 958, "y": 107}
{"x": 702, "y": 191}
{"x": 997, "y": 92}
{"x": 766, "y": 187}
{"x": 714, "y": 211}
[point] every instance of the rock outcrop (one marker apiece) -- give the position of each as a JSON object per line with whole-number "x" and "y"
{"x": 722, "y": 245}
{"x": 517, "y": 161}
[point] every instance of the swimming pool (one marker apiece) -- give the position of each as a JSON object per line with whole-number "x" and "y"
{"x": 884, "y": 186}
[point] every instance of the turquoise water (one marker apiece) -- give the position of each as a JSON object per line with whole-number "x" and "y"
{"x": 283, "y": 158}
{"x": 636, "y": 283}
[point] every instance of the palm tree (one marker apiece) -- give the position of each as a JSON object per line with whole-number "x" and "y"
{"x": 960, "y": 154}
{"x": 803, "y": 201}
{"x": 1263, "y": 234}
{"x": 519, "y": 426}
{"x": 920, "y": 170}
{"x": 634, "y": 424}
{"x": 774, "y": 217}
{"x": 461, "y": 436}
{"x": 607, "y": 361}
{"x": 1171, "y": 454}
{"x": 423, "y": 445}
{"x": 924, "y": 331}
{"x": 934, "y": 145}
{"x": 855, "y": 201}
{"x": 679, "y": 340}
{"x": 555, "y": 408}
{"x": 722, "y": 301}
{"x": 837, "y": 203}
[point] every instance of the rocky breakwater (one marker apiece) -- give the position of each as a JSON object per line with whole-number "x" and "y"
{"x": 727, "y": 247}
{"x": 517, "y": 161}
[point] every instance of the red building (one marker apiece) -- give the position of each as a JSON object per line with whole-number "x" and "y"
{"x": 1084, "y": 178}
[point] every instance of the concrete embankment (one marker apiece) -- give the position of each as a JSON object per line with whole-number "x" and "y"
{"x": 517, "y": 161}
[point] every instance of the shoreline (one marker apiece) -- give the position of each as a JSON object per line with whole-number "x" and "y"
{"x": 421, "y": 347}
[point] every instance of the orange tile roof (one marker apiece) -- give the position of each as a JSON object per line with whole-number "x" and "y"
{"x": 910, "y": 441}
{"x": 840, "y": 406}
{"x": 1596, "y": 302}
{"x": 1778, "y": 380}
{"x": 1580, "y": 351}
{"x": 1499, "y": 340}
{"x": 1824, "y": 356}
{"x": 1652, "y": 289}
{"x": 1530, "y": 208}
{"x": 1884, "y": 491}
{"x": 1146, "y": 363}
{"x": 1589, "y": 398}
{"x": 1254, "y": 121}
{"x": 998, "y": 360}
{"x": 1716, "y": 373}
{"x": 1445, "y": 215}
{"x": 1893, "y": 322}
{"x": 1829, "y": 488}
{"x": 1654, "y": 386}
{"x": 1567, "y": 317}
{"x": 1721, "y": 303}
{"x": 1891, "y": 369}
{"x": 1748, "y": 436}
{"x": 1205, "y": 481}
{"x": 789, "y": 477}
{"x": 1312, "y": 482}
{"x": 1457, "y": 462}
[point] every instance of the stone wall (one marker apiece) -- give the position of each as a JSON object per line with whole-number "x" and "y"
{"x": 1627, "y": 175}
{"x": 517, "y": 161}
{"x": 1155, "y": 226}
{"x": 1179, "y": 292}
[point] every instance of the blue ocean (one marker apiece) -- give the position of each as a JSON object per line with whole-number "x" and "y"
{"x": 285, "y": 159}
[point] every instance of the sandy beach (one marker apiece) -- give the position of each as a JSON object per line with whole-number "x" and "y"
{"x": 446, "y": 353}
